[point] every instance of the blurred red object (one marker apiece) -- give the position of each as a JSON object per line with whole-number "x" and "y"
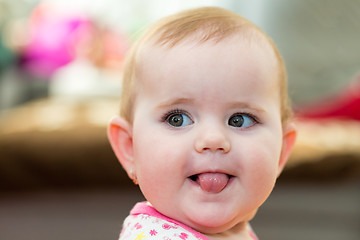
{"x": 346, "y": 105}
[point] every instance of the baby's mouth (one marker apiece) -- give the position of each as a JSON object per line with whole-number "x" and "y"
{"x": 211, "y": 182}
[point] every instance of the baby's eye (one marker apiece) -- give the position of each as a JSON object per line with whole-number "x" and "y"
{"x": 241, "y": 120}
{"x": 178, "y": 119}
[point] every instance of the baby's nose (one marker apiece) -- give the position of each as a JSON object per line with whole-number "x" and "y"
{"x": 212, "y": 140}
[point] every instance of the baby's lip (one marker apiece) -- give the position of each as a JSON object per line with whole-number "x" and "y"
{"x": 211, "y": 182}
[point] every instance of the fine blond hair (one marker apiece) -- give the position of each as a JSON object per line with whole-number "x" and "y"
{"x": 204, "y": 24}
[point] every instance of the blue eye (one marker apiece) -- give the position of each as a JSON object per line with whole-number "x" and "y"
{"x": 241, "y": 121}
{"x": 178, "y": 119}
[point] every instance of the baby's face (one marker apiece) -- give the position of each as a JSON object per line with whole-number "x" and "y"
{"x": 207, "y": 131}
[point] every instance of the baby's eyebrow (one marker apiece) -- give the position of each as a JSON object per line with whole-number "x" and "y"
{"x": 231, "y": 105}
{"x": 245, "y": 105}
{"x": 176, "y": 101}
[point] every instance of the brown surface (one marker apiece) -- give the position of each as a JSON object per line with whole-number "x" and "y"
{"x": 62, "y": 142}
{"x": 55, "y": 143}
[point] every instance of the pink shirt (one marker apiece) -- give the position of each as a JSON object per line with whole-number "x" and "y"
{"x": 145, "y": 223}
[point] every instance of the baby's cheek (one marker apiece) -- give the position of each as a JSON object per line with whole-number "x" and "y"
{"x": 153, "y": 174}
{"x": 262, "y": 175}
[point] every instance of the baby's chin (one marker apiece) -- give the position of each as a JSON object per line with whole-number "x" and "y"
{"x": 218, "y": 225}
{"x": 207, "y": 230}
{"x": 212, "y": 230}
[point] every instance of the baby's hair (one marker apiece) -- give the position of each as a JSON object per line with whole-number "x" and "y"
{"x": 202, "y": 25}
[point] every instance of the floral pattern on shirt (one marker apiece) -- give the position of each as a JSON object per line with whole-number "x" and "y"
{"x": 145, "y": 227}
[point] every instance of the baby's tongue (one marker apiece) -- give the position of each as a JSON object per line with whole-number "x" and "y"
{"x": 212, "y": 182}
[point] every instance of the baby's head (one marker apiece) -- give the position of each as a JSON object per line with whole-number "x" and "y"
{"x": 199, "y": 26}
{"x": 204, "y": 125}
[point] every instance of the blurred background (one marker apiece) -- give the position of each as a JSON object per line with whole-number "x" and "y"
{"x": 60, "y": 82}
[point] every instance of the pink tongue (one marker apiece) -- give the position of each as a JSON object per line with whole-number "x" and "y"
{"x": 212, "y": 182}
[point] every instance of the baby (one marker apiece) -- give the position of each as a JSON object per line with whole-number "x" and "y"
{"x": 205, "y": 126}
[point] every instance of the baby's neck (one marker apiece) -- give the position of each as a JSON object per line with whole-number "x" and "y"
{"x": 239, "y": 232}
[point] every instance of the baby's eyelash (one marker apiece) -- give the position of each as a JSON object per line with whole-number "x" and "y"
{"x": 242, "y": 120}
{"x": 177, "y": 119}
{"x": 166, "y": 116}
{"x": 250, "y": 115}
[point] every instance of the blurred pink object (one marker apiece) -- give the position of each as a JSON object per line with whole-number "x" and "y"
{"x": 52, "y": 40}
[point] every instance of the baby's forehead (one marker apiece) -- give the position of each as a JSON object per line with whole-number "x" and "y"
{"x": 155, "y": 58}
{"x": 209, "y": 56}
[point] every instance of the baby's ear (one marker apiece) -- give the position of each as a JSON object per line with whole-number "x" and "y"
{"x": 120, "y": 136}
{"x": 289, "y": 137}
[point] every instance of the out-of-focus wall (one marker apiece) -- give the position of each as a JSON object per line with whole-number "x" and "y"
{"x": 318, "y": 39}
